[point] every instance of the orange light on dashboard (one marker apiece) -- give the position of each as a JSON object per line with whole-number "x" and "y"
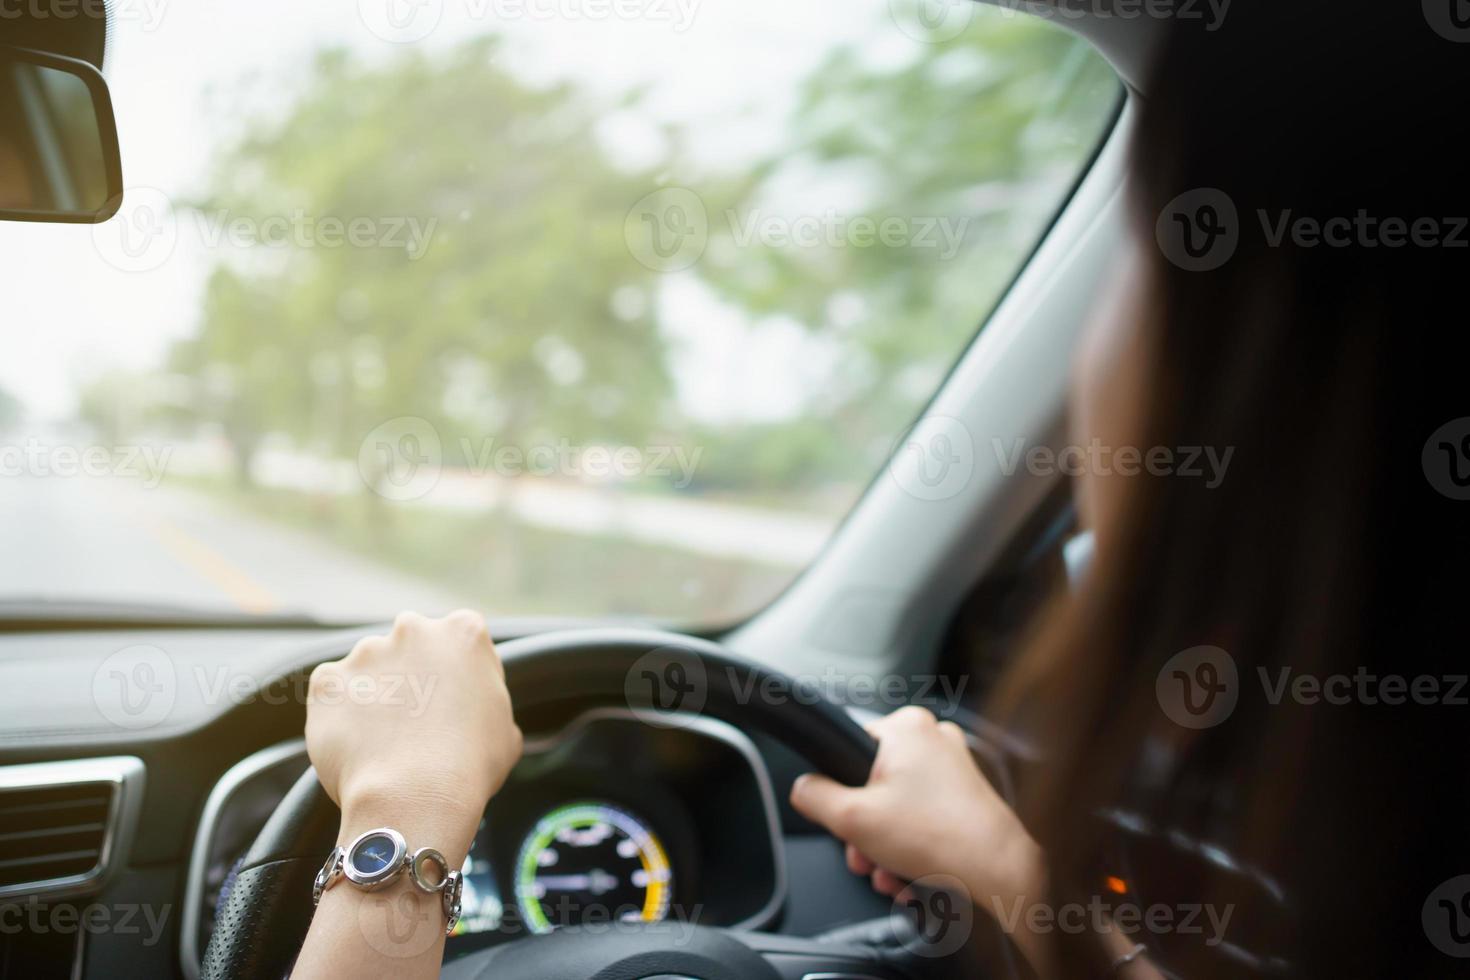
{"x": 1117, "y": 885}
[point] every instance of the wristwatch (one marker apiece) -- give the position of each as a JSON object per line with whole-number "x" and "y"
{"x": 378, "y": 856}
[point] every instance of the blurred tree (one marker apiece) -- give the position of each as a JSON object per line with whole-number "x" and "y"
{"x": 969, "y": 145}
{"x": 241, "y": 363}
{"x": 490, "y": 289}
{"x": 11, "y": 410}
{"x": 484, "y": 248}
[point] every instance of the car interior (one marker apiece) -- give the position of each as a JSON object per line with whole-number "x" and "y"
{"x": 152, "y": 761}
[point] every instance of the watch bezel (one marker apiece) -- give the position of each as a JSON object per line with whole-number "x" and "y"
{"x": 369, "y": 879}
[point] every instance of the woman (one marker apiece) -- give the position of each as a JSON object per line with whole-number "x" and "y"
{"x": 1320, "y": 351}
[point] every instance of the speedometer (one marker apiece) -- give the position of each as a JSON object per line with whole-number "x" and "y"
{"x": 591, "y": 862}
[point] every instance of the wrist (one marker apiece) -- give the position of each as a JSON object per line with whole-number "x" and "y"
{"x": 1013, "y": 874}
{"x": 446, "y": 825}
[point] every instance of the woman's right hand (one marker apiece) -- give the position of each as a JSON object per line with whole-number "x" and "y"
{"x": 926, "y": 810}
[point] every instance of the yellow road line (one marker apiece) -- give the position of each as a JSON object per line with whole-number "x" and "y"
{"x": 243, "y": 590}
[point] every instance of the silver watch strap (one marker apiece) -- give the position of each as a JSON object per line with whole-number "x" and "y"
{"x": 450, "y": 883}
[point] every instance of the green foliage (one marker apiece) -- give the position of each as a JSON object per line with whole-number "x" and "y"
{"x": 520, "y": 315}
{"x": 504, "y": 325}
{"x": 981, "y": 135}
{"x": 11, "y": 410}
{"x": 499, "y": 324}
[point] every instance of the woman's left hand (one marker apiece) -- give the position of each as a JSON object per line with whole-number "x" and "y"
{"x": 414, "y": 728}
{"x": 411, "y": 731}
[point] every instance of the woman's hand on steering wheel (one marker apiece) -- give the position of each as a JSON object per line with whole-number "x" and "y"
{"x": 411, "y": 731}
{"x": 419, "y": 719}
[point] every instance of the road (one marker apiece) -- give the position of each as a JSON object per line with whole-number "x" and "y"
{"x": 117, "y": 539}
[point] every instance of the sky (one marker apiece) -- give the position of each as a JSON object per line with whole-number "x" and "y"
{"x": 74, "y": 306}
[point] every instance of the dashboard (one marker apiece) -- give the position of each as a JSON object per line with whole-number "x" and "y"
{"x": 203, "y": 777}
{"x": 613, "y": 817}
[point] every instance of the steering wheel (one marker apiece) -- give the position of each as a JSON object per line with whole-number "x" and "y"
{"x": 261, "y": 925}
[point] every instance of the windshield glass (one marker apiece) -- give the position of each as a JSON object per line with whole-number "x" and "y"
{"x": 582, "y": 307}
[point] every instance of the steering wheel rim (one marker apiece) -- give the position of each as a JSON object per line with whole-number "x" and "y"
{"x": 263, "y": 921}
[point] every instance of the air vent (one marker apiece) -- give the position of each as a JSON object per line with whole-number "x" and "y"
{"x": 60, "y": 823}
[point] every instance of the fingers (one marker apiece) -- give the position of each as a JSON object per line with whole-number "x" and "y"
{"x": 908, "y": 720}
{"x": 411, "y": 630}
{"x": 325, "y": 677}
{"x": 827, "y": 802}
{"x": 365, "y": 650}
{"x": 471, "y": 623}
{"x": 406, "y": 624}
{"x": 887, "y": 883}
{"x": 954, "y": 733}
{"x": 884, "y": 882}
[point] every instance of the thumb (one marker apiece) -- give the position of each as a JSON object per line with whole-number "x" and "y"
{"x": 825, "y": 801}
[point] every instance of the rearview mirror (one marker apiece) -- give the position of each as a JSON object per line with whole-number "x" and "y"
{"x": 59, "y": 158}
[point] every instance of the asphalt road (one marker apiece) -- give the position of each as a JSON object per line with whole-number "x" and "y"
{"x": 115, "y": 539}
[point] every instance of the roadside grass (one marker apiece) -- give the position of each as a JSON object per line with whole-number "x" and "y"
{"x": 512, "y": 568}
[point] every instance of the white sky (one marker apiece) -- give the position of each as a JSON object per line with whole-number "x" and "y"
{"x": 67, "y": 313}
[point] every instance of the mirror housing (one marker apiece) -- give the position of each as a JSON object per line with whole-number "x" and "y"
{"x": 59, "y": 156}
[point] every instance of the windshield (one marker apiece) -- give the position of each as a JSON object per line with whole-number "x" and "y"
{"x": 574, "y": 307}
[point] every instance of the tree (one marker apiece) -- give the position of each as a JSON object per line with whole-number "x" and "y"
{"x": 480, "y": 295}
{"x": 981, "y": 134}
{"x": 11, "y": 410}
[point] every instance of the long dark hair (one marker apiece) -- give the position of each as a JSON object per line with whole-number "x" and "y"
{"x": 1335, "y": 546}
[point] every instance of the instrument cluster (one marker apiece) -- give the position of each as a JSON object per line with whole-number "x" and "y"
{"x": 609, "y": 821}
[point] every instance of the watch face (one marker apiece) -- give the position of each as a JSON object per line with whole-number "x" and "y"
{"x": 374, "y": 856}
